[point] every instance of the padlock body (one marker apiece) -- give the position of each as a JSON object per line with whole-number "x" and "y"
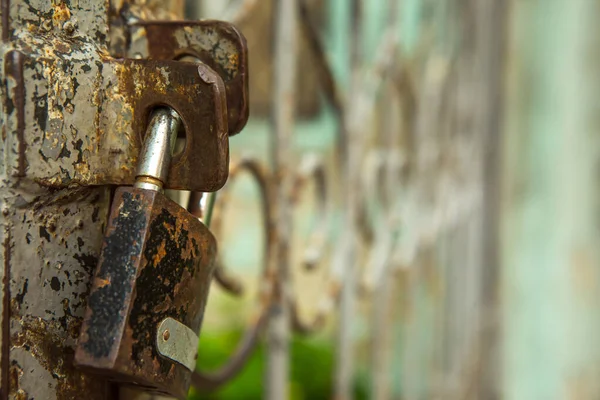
{"x": 157, "y": 261}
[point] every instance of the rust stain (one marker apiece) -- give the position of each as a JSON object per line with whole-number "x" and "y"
{"x": 62, "y": 47}
{"x": 60, "y": 14}
{"x": 218, "y": 45}
{"x": 49, "y": 349}
{"x": 14, "y": 65}
{"x": 5, "y": 7}
{"x": 100, "y": 283}
{"x": 158, "y": 277}
{"x": 161, "y": 252}
{"x": 117, "y": 96}
{"x": 6, "y": 315}
{"x": 15, "y": 375}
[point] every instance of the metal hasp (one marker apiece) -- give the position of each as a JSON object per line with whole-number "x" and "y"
{"x": 156, "y": 263}
{"x": 217, "y": 44}
{"x": 77, "y": 113}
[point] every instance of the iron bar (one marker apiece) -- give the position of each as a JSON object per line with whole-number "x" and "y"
{"x": 283, "y": 106}
{"x": 348, "y": 258}
{"x": 211, "y": 380}
{"x": 328, "y": 82}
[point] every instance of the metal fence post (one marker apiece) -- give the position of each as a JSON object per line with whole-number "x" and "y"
{"x": 282, "y": 127}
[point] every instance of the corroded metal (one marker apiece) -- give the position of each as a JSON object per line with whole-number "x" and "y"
{"x": 76, "y": 113}
{"x": 152, "y": 281}
{"x": 114, "y": 98}
{"x": 428, "y": 166}
{"x": 217, "y": 44}
{"x": 73, "y": 110}
{"x": 49, "y": 251}
{"x": 156, "y": 262}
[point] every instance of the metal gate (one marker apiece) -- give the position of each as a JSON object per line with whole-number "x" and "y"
{"x": 405, "y": 193}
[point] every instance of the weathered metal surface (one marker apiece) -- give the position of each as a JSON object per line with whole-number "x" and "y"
{"x": 437, "y": 140}
{"x": 48, "y": 254}
{"x": 73, "y": 116}
{"x": 114, "y": 99}
{"x": 81, "y": 113}
{"x": 217, "y": 44}
{"x": 84, "y": 18}
{"x": 156, "y": 262}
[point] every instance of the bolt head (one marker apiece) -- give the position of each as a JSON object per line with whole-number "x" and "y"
{"x": 69, "y": 27}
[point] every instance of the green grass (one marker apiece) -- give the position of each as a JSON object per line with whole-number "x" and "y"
{"x": 311, "y": 370}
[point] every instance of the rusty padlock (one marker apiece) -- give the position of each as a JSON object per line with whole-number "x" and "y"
{"x": 150, "y": 288}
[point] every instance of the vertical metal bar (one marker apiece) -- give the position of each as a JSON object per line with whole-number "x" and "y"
{"x": 5, "y": 9}
{"x": 382, "y": 310}
{"x": 381, "y": 324}
{"x": 382, "y": 319}
{"x": 345, "y": 340}
{"x": 282, "y": 126}
{"x": 5, "y": 313}
{"x": 381, "y": 328}
{"x": 491, "y": 35}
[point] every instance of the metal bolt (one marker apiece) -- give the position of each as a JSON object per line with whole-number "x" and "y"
{"x": 69, "y": 27}
{"x": 166, "y": 335}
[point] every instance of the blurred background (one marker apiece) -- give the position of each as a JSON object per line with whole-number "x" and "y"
{"x": 412, "y": 211}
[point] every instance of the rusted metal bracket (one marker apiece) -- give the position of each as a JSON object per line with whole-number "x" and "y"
{"x": 215, "y": 43}
{"x": 197, "y": 93}
{"x": 81, "y": 114}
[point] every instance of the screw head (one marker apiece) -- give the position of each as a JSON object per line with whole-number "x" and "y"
{"x": 166, "y": 335}
{"x": 69, "y": 27}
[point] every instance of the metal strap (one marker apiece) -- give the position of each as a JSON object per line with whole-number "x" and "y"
{"x": 177, "y": 342}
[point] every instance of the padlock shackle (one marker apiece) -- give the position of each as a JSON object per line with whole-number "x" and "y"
{"x": 157, "y": 150}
